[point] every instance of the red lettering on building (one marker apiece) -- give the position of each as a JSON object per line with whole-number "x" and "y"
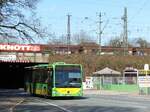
{"x": 19, "y": 47}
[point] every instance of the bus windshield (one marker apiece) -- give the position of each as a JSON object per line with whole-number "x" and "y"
{"x": 68, "y": 76}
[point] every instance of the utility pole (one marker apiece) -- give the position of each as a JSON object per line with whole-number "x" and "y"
{"x": 100, "y": 32}
{"x": 125, "y": 32}
{"x": 68, "y": 34}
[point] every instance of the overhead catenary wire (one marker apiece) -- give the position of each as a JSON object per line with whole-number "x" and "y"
{"x": 139, "y": 10}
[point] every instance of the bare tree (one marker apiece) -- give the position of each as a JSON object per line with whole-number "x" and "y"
{"x": 82, "y": 37}
{"x": 58, "y": 40}
{"x": 115, "y": 42}
{"x": 16, "y": 23}
{"x": 142, "y": 43}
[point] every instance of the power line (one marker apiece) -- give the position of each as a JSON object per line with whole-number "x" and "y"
{"x": 139, "y": 10}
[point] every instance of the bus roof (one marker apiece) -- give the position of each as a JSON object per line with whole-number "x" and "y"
{"x": 63, "y": 63}
{"x": 37, "y": 66}
{"x": 50, "y": 65}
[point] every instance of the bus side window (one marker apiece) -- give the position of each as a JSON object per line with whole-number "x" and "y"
{"x": 40, "y": 74}
{"x": 48, "y": 79}
{"x": 47, "y": 73}
{"x": 37, "y": 76}
{"x": 48, "y": 76}
{"x": 44, "y": 75}
{"x": 34, "y": 77}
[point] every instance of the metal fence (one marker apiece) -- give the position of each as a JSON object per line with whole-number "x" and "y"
{"x": 101, "y": 82}
{"x": 126, "y": 84}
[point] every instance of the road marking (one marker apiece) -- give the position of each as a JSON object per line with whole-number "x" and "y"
{"x": 62, "y": 108}
{"x": 13, "y": 107}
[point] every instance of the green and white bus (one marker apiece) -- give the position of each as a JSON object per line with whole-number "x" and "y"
{"x": 57, "y": 79}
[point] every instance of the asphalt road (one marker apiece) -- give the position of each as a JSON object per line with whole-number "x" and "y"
{"x": 18, "y": 101}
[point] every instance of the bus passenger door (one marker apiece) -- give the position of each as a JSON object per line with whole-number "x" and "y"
{"x": 50, "y": 81}
{"x": 47, "y": 85}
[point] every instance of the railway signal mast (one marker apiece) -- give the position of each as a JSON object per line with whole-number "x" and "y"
{"x": 68, "y": 34}
{"x": 100, "y": 32}
{"x": 125, "y": 32}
